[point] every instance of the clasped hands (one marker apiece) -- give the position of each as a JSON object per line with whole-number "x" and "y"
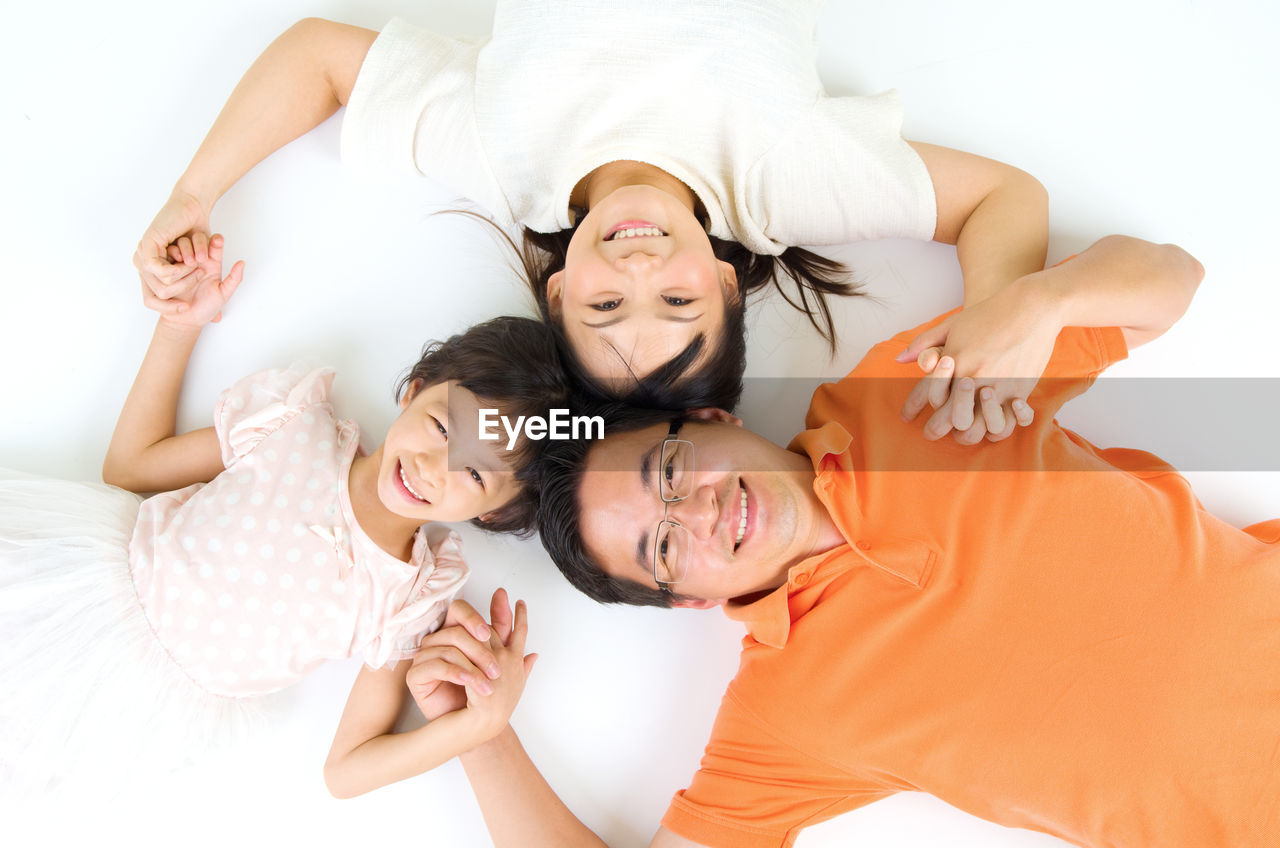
{"x": 981, "y": 365}
{"x": 474, "y": 666}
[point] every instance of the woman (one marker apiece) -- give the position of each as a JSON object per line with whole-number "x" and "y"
{"x": 664, "y": 162}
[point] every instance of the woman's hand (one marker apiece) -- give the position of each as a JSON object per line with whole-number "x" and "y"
{"x": 208, "y": 291}
{"x": 470, "y": 665}
{"x": 169, "y": 276}
{"x": 982, "y": 364}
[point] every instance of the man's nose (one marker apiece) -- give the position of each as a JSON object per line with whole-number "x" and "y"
{"x": 697, "y": 513}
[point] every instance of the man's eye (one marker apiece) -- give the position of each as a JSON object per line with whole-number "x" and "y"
{"x": 677, "y": 301}
{"x": 607, "y": 305}
{"x": 669, "y": 470}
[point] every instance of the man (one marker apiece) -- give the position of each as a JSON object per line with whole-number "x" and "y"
{"x": 1037, "y": 631}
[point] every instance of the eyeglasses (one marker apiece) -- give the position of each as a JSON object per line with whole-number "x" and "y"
{"x": 675, "y": 483}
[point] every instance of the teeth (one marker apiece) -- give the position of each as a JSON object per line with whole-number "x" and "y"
{"x": 742, "y": 524}
{"x": 409, "y": 486}
{"x": 636, "y": 232}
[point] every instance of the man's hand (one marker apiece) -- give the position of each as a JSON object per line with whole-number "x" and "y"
{"x": 982, "y": 364}
{"x": 468, "y": 664}
{"x": 169, "y": 276}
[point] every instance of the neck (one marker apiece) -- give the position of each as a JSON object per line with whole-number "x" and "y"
{"x": 389, "y": 531}
{"x": 612, "y": 176}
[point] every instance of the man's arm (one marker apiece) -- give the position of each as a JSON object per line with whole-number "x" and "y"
{"x": 298, "y": 81}
{"x": 1119, "y": 281}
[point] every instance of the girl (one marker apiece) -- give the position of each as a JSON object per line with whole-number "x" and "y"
{"x": 664, "y": 160}
{"x": 280, "y": 545}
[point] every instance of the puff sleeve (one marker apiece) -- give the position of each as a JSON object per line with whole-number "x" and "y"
{"x": 261, "y": 403}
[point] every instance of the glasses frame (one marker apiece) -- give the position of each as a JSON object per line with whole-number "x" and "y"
{"x": 672, "y": 436}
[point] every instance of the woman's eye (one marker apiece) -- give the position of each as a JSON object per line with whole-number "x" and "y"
{"x": 607, "y": 305}
{"x": 677, "y": 301}
{"x": 475, "y": 475}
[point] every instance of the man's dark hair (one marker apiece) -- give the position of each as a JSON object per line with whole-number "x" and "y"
{"x": 560, "y": 474}
{"x": 512, "y": 364}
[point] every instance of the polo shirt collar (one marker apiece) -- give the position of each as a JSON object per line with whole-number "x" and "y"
{"x": 768, "y": 619}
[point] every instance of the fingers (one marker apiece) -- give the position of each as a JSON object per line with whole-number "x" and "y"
{"x": 521, "y": 631}
{"x": 231, "y": 283}
{"x": 933, "y": 337}
{"x": 446, "y": 665}
{"x": 992, "y": 411}
{"x": 476, "y": 651}
{"x": 463, "y": 614}
{"x": 500, "y": 614}
{"x": 200, "y": 244}
{"x": 928, "y": 359}
{"x": 916, "y": 400}
{"x": 188, "y": 252}
{"x": 940, "y": 381}
{"x": 1018, "y": 415}
{"x": 962, "y": 404}
{"x": 164, "y": 307}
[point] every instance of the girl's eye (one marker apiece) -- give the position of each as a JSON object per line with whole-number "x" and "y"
{"x": 475, "y": 475}
{"x": 441, "y": 428}
{"x": 607, "y": 305}
{"x": 677, "y": 301}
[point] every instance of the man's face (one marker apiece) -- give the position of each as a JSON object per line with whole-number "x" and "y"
{"x": 735, "y": 474}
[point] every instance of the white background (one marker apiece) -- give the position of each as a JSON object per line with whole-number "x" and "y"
{"x": 1155, "y": 119}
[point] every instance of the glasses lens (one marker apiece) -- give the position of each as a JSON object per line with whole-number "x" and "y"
{"x": 669, "y": 549}
{"x": 676, "y": 470}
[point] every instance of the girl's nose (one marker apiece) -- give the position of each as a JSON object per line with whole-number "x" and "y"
{"x": 432, "y": 467}
{"x": 637, "y": 263}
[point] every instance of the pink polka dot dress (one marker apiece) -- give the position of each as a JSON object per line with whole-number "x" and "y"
{"x": 134, "y": 632}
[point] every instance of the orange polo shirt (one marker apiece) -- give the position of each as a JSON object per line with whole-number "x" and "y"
{"x": 1075, "y": 647}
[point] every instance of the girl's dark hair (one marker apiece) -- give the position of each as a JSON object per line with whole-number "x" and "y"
{"x": 717, "y": 381}
{"x": 512, "y": 364}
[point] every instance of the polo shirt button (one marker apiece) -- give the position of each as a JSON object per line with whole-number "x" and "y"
{"x": 800, "y": 579}
{"x": 864, "y": 545}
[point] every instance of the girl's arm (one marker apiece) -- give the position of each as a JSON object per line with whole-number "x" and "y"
{"x": 145, "y": 454}
{"x": 298, "y": 81}
{"x": 483, "y": 676}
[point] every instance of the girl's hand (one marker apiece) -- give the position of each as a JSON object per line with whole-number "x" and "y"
{"x": 454, "y": 656}
{"x": 208, "y": 293}
{"x": 494, "y": 708}
{"x": 169, "y": 278}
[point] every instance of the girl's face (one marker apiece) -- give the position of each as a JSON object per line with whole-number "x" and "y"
{"x": 640, "y": 281}
{"x": 433, "y": 465}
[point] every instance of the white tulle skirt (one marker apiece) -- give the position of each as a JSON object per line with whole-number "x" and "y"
{"x": 89, "y": 699}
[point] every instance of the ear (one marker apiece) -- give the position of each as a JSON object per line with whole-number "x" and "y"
{"x": 555, "y": 292}
{"x": 711, "y": 413}
{"x": 410, "y": 391}
{"x": 728, "y": 281}
{"x": 486, "y": 517}
{"x": 695, "y": 603}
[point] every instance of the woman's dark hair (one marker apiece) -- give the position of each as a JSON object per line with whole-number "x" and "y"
{"x": 560, "y": 480}
{"x": 717, "y": 381}
{"x": 512, "y": 364}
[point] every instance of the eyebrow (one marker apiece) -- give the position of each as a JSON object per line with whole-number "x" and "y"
{"x": 675, "y": 319}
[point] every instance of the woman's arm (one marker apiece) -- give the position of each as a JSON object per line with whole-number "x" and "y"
{"x": 298, "y": 81}
{"x": 1119, "y": 281}
{"x": 145, "y": 454}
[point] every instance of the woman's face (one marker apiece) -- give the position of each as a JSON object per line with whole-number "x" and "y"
{"x": 640, "y": 281}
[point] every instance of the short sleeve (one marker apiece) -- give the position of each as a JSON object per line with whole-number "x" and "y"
{"x": 412, "y": 112}
{"x": 261, "y": 403}
{"x": 755, "y": 791}
{"x": 441, "y": 573}
{"x": 842, "y": 174}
